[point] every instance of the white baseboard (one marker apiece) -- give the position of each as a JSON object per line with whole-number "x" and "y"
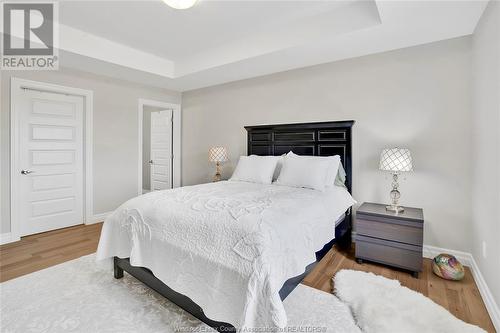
{"x": 464, "y": 257}
{"x": 97, "y": 218}
{"x": 7, "y": 237}
{"x": 486, "y": 294}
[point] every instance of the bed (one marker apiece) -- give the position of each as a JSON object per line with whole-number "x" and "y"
{"x": 232, "y": 251}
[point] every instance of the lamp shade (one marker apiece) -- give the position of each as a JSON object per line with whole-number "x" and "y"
{"x": 217, "y": 154}
{"x": 396, "y": 160}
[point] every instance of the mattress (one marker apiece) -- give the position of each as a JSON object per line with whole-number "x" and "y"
{"x": 229, "y": 246}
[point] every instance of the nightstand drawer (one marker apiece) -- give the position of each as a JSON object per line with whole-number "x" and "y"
{"x": 391, "y": 253}
{"x": 392, "y": 230}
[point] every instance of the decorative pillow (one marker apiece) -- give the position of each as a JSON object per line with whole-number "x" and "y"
{"x": 255, "y": 169}
{"x": 304, "y": 172}
{"x": 334, "y": 171}
{"x": 340, "y": 179}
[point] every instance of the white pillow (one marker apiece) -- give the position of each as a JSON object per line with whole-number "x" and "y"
{"x": 333, "y": 171}
{"x": 304, "y": 172}
{"x": 255, "y": 169}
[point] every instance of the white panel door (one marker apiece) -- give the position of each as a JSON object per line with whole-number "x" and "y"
{"x": 50, "y": 157}
{"x": 161, "y": 150}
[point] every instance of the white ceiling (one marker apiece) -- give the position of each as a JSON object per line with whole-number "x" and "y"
{"x": 153, "y": 27}
{"x": 221, "y": 41}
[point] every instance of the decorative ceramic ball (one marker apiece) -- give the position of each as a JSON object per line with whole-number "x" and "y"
{"x": 448, "y": 267}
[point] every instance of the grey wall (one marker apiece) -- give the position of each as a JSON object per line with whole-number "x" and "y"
{"x": 418, "y": 98}
{"x": 486, "y": 157}
{"x": 115, "y": 134}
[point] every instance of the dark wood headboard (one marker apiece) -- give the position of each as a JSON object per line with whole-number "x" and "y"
{"x": 316, "y": 139}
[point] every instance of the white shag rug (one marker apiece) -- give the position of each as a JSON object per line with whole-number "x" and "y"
{"x": 83, "y": 296}
{"x": 383, "y": 305}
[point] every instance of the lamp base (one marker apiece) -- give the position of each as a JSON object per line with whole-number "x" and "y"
{"x": 395, "y": 209}
{"x": 395, "y": 195}
{"x": 216, "y": 178}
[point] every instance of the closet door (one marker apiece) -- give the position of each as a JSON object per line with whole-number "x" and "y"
{"x": 161, "y": 150}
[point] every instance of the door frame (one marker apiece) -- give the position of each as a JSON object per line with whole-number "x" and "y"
{"x": 15, "y": 85}
{"x": 176, "y": 139}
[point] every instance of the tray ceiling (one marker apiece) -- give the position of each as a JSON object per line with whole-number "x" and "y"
{"x": 221, "y": 41}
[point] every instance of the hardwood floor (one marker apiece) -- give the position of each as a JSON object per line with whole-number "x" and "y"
{"x": 36, "y": 252}
{"x": 43, "y": 250}
{"x": 461, "y": 298}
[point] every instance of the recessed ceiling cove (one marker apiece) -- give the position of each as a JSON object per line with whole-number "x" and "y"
{"x": 220, "y": 41}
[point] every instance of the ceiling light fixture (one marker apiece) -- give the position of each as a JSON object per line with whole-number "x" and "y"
{"x": 180, "y": 4}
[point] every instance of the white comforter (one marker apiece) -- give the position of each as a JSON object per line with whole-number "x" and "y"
{"x": 229, "y": 246}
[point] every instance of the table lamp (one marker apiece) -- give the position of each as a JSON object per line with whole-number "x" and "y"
{"x": 395, "y": 161}
{"x": 217, "y": 155}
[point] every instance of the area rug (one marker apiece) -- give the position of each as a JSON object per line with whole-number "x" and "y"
{"x": 83, "y": 296}
{"x": 383, "y": 305}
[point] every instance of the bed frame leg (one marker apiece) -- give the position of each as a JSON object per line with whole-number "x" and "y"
{"x": 345, "y": 242}
{"x": 118, "y": 271}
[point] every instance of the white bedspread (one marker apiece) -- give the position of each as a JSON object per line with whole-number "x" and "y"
{"x": 229, "y": 246}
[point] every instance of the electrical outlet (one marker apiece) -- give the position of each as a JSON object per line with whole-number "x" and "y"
{"x": 484, "y": 250}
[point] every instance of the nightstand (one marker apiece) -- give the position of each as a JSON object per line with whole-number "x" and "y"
{"x": 389, "y": 238}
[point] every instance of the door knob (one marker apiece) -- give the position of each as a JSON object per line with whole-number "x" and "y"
{"x": 150, "y": 161}
{"x": 26, "y": 172}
